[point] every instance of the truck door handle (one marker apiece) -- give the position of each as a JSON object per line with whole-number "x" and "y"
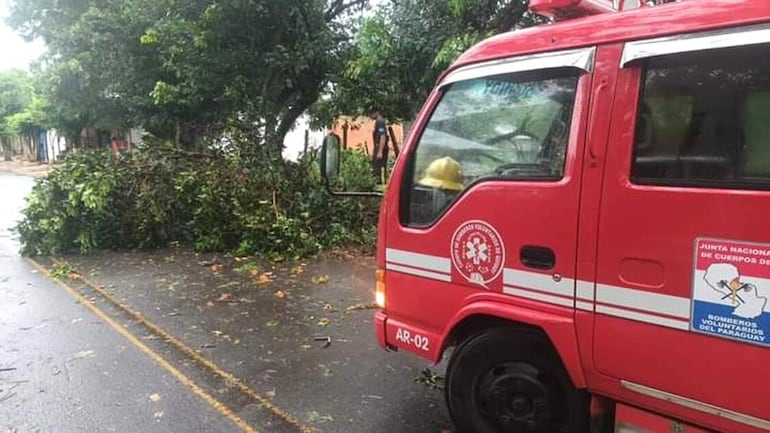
{"x": 537, "y": 257}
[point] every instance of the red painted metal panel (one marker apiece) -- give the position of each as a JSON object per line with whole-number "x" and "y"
{"x": 380, "y": 318}
{"x": 605, "y": 76}
{"x": 661, "y": 224}
{"x": 525, "y": 213}
{"x": 643, "y": 232}
{"x": 633, "y": 420}
{"x": 673, "y": 18}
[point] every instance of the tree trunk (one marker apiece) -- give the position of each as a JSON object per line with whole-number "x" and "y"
{"x": 178, "y": 135}
{"x": 7, "y": 150}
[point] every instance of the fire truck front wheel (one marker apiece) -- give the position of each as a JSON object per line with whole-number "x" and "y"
{"x": 508, "y": 380}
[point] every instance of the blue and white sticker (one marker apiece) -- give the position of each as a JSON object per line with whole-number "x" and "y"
{"x": 731, "y": 290}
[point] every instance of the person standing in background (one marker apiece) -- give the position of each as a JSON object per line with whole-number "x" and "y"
{"x": 380, "y": 149}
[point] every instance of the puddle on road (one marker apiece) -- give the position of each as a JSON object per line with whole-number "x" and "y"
{"x": 15, "y": 190}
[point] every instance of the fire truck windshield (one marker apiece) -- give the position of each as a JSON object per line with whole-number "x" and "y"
{"x": 511, "y": 126}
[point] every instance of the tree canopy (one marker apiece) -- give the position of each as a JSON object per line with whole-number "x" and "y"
{"x": 401, "y": 50}
{"x": 192, "y": 71}
{"x": 187, "y": 69}
{"x": 15, "y": 96}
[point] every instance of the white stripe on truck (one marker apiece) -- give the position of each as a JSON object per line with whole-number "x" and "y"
{"x": 423, "y": 261}
{"x": 622, "y": 302}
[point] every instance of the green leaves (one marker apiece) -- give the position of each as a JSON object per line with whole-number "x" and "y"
{"x": 151, "y": 37}
{"x": 155, "y": 196}
{"x": 199, "y": 67}
{"x": 15, "y": 96}
{"x": 401, "y": 51}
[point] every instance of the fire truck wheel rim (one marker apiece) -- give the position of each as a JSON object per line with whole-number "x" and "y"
{"x": 510, "y": 380}
{"x": 513, "y": 397}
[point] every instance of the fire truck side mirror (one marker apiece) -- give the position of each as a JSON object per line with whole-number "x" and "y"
{"x": 331, "y": 161}
{"x": 330, "y": 158}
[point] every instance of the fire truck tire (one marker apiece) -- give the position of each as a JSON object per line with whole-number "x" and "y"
{"x": 510, "y": 380}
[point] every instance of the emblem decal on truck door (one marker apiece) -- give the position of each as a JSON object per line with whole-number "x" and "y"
{"x": 478, "y": 252}
{"x": 731, "y": 290}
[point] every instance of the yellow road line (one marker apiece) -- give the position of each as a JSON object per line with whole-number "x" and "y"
{"x": 197, "y": 357}
{"x": 221, "y": 408}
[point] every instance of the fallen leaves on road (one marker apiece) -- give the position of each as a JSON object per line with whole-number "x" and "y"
{"x": 323, "y": 279}
{"x": 430, "y": 379}
{"x": 216, "y": 267}
{"x": 155, "y": 397}
{"x": 265, "y": 278}
{"x": 355, "y": 307}
{"x": 224, "y": 297}
{"x": 158, "y": 415}
{"x": 323, "y": 321}
{"x": 61, "y": 270}
{"x": 271, "y": 323}
{"x": 314, "y": 417}
{"x": 280, "y": 294}
{"x": 84, "y": 354}
{"x": 250, "y": 268}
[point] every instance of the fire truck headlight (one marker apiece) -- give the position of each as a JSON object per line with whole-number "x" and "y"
{"x": 379, "y": 293}
{"x": 628, "y": 428}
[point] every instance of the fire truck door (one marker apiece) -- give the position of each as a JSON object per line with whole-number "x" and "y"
{"x": 682, "y": 296}
{"x": 489, "y": 192}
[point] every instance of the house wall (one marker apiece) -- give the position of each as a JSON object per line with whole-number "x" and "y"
{"x": 360, "y": 133}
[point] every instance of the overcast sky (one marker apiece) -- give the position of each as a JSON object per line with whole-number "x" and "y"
{"x": 14, "y": 52}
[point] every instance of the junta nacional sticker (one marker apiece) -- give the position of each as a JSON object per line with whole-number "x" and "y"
{"x": 478, "y": 252}
{"x": 731, "y": 290}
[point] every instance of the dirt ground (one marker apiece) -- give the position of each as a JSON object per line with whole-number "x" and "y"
{"x": 25, "y": 168}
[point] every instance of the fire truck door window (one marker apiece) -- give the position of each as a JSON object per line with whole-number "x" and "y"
{"x": 505, "y": 127}
{"x": 704, "y": 120}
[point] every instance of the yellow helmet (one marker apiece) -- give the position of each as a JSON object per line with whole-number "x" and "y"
{"x": 443, "y": 173}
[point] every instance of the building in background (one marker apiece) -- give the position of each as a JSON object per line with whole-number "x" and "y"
{"x": 356, "y": 133}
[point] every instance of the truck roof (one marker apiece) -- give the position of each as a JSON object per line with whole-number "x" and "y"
{"x": 672, "y": 18}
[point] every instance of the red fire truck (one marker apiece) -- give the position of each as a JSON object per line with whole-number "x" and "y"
{"x": 579, "y": 213}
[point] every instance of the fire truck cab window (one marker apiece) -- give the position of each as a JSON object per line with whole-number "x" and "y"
{"x": 506, "y": 127}
{"x": 704, "y": 120}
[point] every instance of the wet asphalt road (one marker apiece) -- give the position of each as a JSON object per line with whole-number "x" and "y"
{"x": 62, "y": 369}
{"x": 70, "y": 371}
